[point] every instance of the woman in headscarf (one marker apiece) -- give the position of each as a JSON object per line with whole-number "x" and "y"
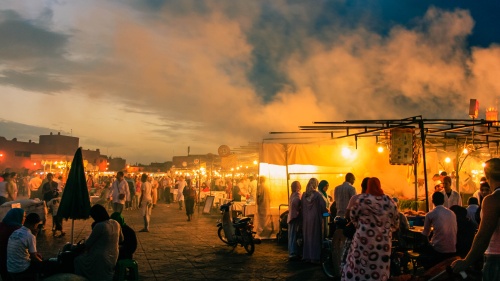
{"x": 101, "y": 247}
{"x": 376, "y": 217}
{"x": 129, "y": 244}
{"x": 313, "y": 207}
{"x": 12, "y": 221}
{"x": 323, "y": 188}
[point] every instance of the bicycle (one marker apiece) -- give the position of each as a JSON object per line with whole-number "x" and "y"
{"x": 327, "y": 250}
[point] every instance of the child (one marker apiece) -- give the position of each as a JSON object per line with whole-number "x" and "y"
{"x": 57, "y": 220}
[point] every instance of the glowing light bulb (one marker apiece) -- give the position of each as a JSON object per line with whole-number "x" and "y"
{"x": 465, "y": 151}
{"x": 447, "y": 160}
{"x": 483, "y": 164}
{"x": 346, "y": 152}
{"x": 380, "y": 149}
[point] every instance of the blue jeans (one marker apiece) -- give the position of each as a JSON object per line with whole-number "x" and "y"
{"x": 491, "y": 268}
{"x": 117, "y": 207}
{"x": 293, "y": 228}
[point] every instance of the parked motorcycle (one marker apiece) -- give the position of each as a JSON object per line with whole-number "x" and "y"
{"x": 236, "y": 231}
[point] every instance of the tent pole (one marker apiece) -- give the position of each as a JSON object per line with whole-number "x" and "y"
{"x": 287, "y": 175}
{"x": 422, "y": 137}
{"x": 72, "y": 230}
{"x": 415, "y": 175}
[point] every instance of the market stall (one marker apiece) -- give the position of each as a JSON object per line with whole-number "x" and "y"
{"x": 403, "y": 153}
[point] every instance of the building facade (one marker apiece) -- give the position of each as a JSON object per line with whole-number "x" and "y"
{"x": 53, "y": 153}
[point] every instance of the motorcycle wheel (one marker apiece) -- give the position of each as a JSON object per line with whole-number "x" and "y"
{"x": 327, "y": 261}
{"x": 222, "y": 235}
{"x": 249, "y": 246}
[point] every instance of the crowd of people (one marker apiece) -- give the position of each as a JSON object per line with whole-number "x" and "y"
{"x": 364, "y": 225}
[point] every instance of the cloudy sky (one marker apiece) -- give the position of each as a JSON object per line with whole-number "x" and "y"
{"x": 144, "y": 80}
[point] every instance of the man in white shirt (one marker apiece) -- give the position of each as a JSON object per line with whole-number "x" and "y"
{"x": 120, "y": 193}
{"x": 23, "y": 261}
{"x": 444, "y": 238}
{"x": 451, "y": 197}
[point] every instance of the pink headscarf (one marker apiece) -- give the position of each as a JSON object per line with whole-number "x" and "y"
{"x": 374, "y": 187}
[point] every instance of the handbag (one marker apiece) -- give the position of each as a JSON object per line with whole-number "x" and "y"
{"x": 349, "y": 230}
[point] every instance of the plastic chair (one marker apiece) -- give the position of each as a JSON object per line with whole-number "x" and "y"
{"x": 127, "y": 265}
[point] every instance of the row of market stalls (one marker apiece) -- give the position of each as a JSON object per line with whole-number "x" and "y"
{"x": 404, "y": 154}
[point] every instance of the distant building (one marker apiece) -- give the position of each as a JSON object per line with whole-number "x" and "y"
{"x": 59, "y": 144}
{"x": 16, "y": 155}
{"x": 117, "y": 164}
{"x": 53, "y": 153}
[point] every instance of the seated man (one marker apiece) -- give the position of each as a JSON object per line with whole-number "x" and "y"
{"x": 473, "y": 205}
{"x": 404, "y": 226}
{"x": 127, "y": 247}
{"x": 466, "y": 230}
{"x": 444, "y": 238}
{"x": 23, "y": 261}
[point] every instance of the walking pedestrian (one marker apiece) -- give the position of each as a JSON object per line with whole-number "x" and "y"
{"x": 294, "y": 220}
{"x": 120, "y": 192}
{"x": 181, "y": 184}
{"x": 189, "y": 199}
{"x": 146, "y": 203}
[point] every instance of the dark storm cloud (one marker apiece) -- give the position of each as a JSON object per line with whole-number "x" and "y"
{"x": 21, "y": 39}
{"x": 31, "y": 55}
{"x": 21, "y": 131}
{"x": 32, "y": 81}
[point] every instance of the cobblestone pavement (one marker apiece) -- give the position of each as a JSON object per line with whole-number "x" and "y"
{"x": 176, "y": 249}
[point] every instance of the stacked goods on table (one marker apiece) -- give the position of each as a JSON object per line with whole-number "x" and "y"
{"x": 29, "y": 206}
{"x": 411, "y": 205}
{"x": 412, "y": 213}
{"x": 417, "y": 217}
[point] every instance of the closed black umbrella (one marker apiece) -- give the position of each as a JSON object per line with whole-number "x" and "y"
{"x": 75, "y": 201}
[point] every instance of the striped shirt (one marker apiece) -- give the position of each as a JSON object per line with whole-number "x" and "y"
{"x": 21, "y": 243}
{"x": 342, "y": 194}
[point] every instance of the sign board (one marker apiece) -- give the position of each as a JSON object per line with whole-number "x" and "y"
{"x": 209, "y": 201}
{"x": 402, "y": 147}
{"x": 224, "y": 150}
{"x": 473, "y": 108}
{"x": 15, "y": 205}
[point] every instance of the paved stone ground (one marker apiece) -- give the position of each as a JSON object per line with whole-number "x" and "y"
{"x": 176, "y": 249}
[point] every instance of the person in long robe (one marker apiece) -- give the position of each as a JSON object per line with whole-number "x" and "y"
{"x": 263, "y": 207}
{"x": 376, "y": 217}
{"x": 99, "y": 260}
{"x": 313, "y": 207}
